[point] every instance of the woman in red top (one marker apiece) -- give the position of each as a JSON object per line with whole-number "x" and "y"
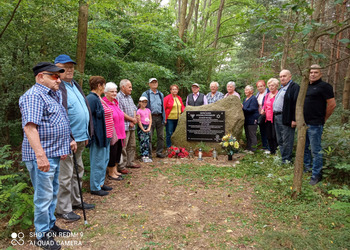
{"x": 173, "y": 106}
{"x": 267, "y": 109}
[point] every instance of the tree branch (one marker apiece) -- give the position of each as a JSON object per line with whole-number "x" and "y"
{"x": 8, "y": 23}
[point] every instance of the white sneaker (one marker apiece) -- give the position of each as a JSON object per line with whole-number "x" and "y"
{"x": 148, "y": 159}
{"x": 144, "y": 159}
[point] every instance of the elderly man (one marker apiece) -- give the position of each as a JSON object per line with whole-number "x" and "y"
{"x": 79, "y": 114}
{"x": 126, "y": 104}
{"x": 214, "y": 94}
{"x": 156, "y": 105}
{"x": 284, "y": 114}
{"x": 46, "y": 141}
{"x": 318, "y": 107}
{"x": 196, "y": 98}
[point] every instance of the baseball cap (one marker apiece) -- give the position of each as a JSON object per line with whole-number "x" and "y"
{"x": 195, "y": 84}
{"x": 152, "y": 79}
{"x": 64, "y": 59}
{"x": 46, "y": 66}
{"x": 143, "y": 98}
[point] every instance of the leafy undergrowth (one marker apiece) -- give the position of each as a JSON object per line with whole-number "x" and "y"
{"x": 309, "y": 222}
{"x": 184, "y": 204}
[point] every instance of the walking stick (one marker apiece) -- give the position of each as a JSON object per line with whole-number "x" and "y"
{"x": 81, "y": 194}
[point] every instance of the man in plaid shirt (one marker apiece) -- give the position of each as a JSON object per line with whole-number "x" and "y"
{"x": 46, "y": 141}
{"x": 126, "y": 104}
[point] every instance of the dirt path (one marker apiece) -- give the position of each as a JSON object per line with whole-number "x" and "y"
{"x": 156, "y": 207}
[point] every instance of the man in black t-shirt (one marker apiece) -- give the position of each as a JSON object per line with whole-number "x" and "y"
{"x": 318, "y": 107}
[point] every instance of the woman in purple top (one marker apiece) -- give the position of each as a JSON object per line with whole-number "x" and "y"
{"x": 118, "y": 120}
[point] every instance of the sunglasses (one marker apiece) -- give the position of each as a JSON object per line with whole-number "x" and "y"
{"x": 53, "y": 76}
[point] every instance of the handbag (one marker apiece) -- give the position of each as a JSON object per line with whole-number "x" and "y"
{"x": 261, "y": 119}
{"x": 114, "y": 137}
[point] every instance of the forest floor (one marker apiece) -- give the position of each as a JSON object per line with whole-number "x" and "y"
{"x": 191, "y": 204}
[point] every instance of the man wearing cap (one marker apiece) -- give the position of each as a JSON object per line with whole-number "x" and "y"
{"x": 46, "y": 141}
{"x": 318, "y": 107}
{"x": 79, "y": 114}
{"x": 196, "y": 98}
{"x": 156, "y": 105}
{"x": 127, "y": 105}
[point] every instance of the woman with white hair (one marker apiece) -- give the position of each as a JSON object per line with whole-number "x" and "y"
{"x": 267, "y": 109}
{"x": 231, "y": 87}
{"x": 118, "y": 122}
{"x": 251, "y": 114}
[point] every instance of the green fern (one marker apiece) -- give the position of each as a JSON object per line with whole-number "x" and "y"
{"x": 341, "y": 205}
{"x": 16, "y": 197}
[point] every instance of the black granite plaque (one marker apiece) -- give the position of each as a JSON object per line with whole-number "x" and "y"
{"x": 205, "y": 125}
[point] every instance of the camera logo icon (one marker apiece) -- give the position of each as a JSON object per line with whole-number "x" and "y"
{"x": 17, "y": 239}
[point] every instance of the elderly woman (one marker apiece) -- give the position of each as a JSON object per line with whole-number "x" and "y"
{"x": 251, "y": 113}
{"x": 260, "y": 96}
{"x": 102, "y": 117}
{"x": 173, "y": 108}
{"x": 230, "y": 87}
{"x": 118, "y": 122}
{"x": 214, "y": 94}
{"x": 267, "y": 110}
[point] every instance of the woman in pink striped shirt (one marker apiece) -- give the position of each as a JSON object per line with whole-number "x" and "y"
{"x": 118, "y": 123}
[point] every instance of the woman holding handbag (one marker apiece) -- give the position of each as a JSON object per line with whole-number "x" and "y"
{"x": 118, "y": 131}
{"x": 267, "y": 110}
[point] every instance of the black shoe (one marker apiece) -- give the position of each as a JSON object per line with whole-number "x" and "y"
{"x": 106, "y": 188}
{"x": 86, "y": 206}
{"x": 47, "y": 242}
{"x": 60, "y": 232}
{"x": 69, "y": 216}
{"x": 160, "y": 156}
{"x": 119, "y": 178}
{"x": 314, "y": 181}
{"x": 99, "y": 193}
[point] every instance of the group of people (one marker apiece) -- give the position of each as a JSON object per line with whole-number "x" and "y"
{"x": 59, "y": 121}
{"x": 278, "y": 110}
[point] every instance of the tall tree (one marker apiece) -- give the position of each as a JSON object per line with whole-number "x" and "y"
{"x": 82, "y": 38}
{"x": 216, "y": 39}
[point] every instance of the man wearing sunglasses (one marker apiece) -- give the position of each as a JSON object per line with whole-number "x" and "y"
{"x": 79, "y": 114}
{"x": 46, "y": 141}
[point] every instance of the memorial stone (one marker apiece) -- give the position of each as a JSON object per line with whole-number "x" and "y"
{"x": 234, "y": 121}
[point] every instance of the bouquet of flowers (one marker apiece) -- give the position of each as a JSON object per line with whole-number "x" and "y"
{"x": 230, "y": 144}
{"x": 177, "y": 152}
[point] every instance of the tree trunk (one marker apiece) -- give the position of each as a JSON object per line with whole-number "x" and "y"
{"x": 182, "y": 23}
{"x": 206, "y": 18}
{"x": 217, "y": 31}
{"x": 262, "y": 49}
{"x": 195, "y": 23}
{"x": 190, "y": 14}
{"x": 299, "y": 113}
{"x": 337, "y": 57}
{"x": 346, "y": 96}
{"x": 82, "y": 38}
{"x": 333, "y": 50}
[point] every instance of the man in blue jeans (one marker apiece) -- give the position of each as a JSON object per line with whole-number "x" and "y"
{"x": 284, "y": 114}
{"x": 318, "y": 107}
{"x": 46, "y": 141}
